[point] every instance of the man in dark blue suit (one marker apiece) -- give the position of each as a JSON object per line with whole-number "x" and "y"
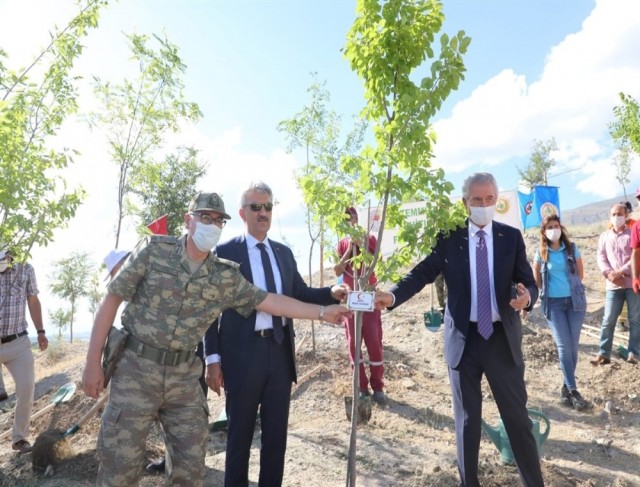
{"x": 254, "y": 358}
{"x": 482, "y": 262}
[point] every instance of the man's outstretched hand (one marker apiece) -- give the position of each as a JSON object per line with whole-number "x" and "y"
{"x": 336, "y": 314}
{"x": 382, "y": 300}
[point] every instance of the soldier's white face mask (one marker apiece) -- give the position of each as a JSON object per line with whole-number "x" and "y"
{"x": 4, "y": 265}
{"x": 206, "y": 237}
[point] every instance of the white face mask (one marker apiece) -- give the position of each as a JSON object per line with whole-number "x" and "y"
{"x": 482, "y": 215}
{"x": 553, "y": 234}
{"x": 617, "y": 221}
{"x": 206, "y": 237}
{"x": 4, "y": 265}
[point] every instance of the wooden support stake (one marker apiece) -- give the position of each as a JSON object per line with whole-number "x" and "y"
{"x": 301, "y": 343}
{"x": 593, "y": 335}
{"x": 309, "y": 374}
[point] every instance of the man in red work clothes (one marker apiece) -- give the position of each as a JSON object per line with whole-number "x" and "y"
{"x": 371, "y": 321}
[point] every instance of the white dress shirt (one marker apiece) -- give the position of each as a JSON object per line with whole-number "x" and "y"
{"x": 263, "y": 319}
{"x": 473, "y": 243}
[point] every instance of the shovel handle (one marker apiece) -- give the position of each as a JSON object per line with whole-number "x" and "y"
{"x": 74, "y": 429}
{"x": 44, "y": 410}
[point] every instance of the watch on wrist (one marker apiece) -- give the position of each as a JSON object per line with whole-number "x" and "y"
{"x": 41, "y": 332}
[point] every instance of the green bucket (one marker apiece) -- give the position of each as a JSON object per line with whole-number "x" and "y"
{"x": 433, "y": 320}
{"x": 623, "y": 352}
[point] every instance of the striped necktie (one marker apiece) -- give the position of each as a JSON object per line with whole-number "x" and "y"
{"x": 483, "y": 285}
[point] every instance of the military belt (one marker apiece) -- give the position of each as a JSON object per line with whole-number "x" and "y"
{"x": 157, "y": 355}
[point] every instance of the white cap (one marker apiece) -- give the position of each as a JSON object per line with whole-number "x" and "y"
{"x": 113, "y": 258}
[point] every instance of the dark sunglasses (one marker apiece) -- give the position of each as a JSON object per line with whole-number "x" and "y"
{"x": 572, "y": 265}
{"x": 258, "y": 206}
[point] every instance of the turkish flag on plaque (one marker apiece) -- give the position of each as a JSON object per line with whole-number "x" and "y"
{"x": 159, "y": 226}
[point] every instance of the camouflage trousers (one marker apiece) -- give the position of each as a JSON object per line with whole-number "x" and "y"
{"x": 142, "y": 391}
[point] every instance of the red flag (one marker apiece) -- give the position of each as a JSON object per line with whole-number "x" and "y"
{"x": 159, "y": 226}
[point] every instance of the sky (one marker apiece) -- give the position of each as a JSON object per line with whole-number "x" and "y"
{"x": 536, "y": 69}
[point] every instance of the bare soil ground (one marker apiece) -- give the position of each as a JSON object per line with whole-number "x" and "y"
{"x": 410, "y": 441}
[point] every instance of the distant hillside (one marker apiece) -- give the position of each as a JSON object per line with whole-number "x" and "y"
{"x": 592, "y": 213}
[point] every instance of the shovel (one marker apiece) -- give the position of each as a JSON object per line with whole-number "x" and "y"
{"x": 52, "y": 446}
{"x": 221, "y": 423}
{"x": 76, "y": 427}
{"x": 62, "y": 395}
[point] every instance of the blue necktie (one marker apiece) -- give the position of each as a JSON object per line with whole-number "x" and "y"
{"x": 483, "y": 285}
{"x": 278, "y": 332}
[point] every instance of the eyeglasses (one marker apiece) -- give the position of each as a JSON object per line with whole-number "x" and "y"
{"x": 208, "y": 219}
{"x": 258, "y": 206}
{"x": 479, "y": 201}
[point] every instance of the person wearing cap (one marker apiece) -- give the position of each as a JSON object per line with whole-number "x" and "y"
{"x": 174, "y": 288}
{"x": 254, "y": 356}
{"x": 371, "y": 321}
{"x": 113, "y": 261}
{"x": 19, "y": 290}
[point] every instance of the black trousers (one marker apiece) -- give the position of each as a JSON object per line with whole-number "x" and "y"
{"x": 268, "y": 385}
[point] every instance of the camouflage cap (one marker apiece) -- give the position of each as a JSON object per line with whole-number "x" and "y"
{"x": 209, "y": 202}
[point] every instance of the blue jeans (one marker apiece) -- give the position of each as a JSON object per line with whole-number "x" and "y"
{"x": 566, "y": 325}
{"x": 614, "y": 300}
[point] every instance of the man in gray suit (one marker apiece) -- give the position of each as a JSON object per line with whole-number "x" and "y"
{"x": 482, "y": 262}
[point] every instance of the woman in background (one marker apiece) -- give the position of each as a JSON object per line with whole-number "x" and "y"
{"x": 558, "y": 272}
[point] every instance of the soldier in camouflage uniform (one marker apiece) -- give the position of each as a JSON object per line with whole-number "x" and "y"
{"x": 175, "y": 287}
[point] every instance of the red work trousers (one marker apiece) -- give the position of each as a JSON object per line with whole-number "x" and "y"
{"x": 372, "y": 338}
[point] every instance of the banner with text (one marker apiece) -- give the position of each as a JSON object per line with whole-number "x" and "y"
{"x": 506, "y": 212}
